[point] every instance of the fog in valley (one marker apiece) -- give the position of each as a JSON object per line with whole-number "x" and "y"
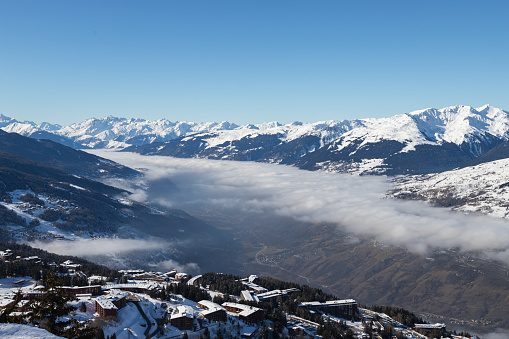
{"x": 356, "y": 204}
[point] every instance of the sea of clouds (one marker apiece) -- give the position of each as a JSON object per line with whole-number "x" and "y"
{"x": 357, "y": 204}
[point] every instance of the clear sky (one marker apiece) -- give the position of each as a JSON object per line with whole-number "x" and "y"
{"x": 249, "y": 61}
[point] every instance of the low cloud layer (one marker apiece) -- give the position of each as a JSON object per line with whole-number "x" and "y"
{"x": 119, "y": 253}
{"x": 103, "y": 246}
{"x": 356, "y": 204}
{"x": 498, "y": 334}
{"x": 191, "y": 268}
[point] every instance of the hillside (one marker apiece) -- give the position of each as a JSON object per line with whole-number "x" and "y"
{"x": 448, "y": 286}
{"x": 39, "y": 202}
{"x": 62, "y": 157}
{"x": 479, "y": 189}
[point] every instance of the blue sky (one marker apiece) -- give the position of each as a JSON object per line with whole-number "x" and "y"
{"x": 249, "y": 61}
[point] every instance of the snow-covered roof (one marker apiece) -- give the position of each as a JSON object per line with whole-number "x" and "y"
{"x": 183, "y": 311}
{"x": 140, "y": 284}
{"x": 193, "y": 279}
{"x": 255, "y": 287}
{"x": 274, "y": 293}
{"x": 77, "y": 288}
{"x": 5, "y": 302}
{"x": 246, "y": 310}
{"x": 246, "y": 295}
{"x": 210, "y": 307}
{"x": 106, "y": 303}
{"x": 131, "y": 271}
{"x": 329, "y": 303}
{"x": 116, "y": 294}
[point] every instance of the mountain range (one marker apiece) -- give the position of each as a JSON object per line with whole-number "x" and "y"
{"x": 419, "y": 142}
{"x": 454, "y": 157}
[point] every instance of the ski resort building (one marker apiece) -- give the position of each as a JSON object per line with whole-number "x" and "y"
{"x": 183, "y": 318}
{"x": 346, "y": 309}
{"x": 75, "y": 290}
{"x": 5, "y": 303}
{"x": 245, "y": 312}
{"x": 254, "y": 287}
{"x": 428, "y": 328}
{"x": 107, "y": 306}
{"x": 257, "y": 297}
{"x": 213, "y": 311}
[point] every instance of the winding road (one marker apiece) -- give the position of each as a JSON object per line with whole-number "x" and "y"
{"x": 147, "y": 320}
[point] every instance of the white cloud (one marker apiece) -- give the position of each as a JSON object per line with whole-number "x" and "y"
{"x": 95, "y": 247}
{"x": 356, "y": 204}
{"x": 498, "y": 334}
{"x": 190, "y": 268}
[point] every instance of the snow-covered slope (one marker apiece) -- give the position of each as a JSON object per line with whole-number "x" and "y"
{"x": 17, "y": 331}
{"x": 423, "y": 141}
{"x": 481, "y": 189}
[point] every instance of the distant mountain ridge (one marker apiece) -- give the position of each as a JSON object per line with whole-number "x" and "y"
{"x": 423, "y": 141}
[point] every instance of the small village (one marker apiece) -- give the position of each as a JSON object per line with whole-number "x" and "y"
{"x": 144, "y": 304}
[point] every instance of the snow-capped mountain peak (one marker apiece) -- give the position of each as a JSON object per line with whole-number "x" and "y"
{"x": 460, "y": 132}
{"x": 460, "y": 124}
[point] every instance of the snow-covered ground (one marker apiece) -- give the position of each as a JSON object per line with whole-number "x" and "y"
{"x": 30, "y": 212}
{"x": 9, "y": 286}
{"x": 17, "y": 331}
{"x": 481, "y": 189}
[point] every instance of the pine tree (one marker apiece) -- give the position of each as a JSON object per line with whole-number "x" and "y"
{"x": 51, "y": 306}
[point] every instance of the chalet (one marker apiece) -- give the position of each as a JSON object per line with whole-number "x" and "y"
{"x": 5, "y": 303}
{"x": 183, "y": 318}
{"x": 213, "y": 311}
{"x": 245, "y": 312}
{"x": 346, "y": 309}
{"x": 22, "y": 306}
{"x": 107, "y": 306}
